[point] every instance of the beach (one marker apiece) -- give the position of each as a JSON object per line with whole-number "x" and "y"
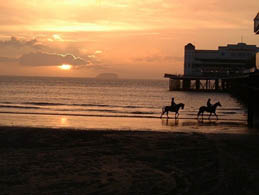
{"x": 70, "y": 161}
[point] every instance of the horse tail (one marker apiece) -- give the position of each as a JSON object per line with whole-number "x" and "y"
{"x": 200, "y": 111}
{"x": 163, "y": 112}
{"x": 163, "y": 109}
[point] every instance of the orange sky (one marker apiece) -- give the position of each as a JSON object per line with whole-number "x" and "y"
{"x": 135, "y": 39}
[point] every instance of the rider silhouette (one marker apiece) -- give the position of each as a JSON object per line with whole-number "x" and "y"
{"x": 208, "y": 104}
{"x": 173, "y": 103}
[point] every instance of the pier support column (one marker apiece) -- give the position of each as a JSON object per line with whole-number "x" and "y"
{"x": 170, "y": 84}
{"x": 250, "y": 109}
{"x": 207, "y": 84}
{"x": 198, "y": 84}
{"x": 223, "y": 84}
{"x": 174, "y": 84}
{"x": 253, "y": 108}
{"x": 186, "y": 84}
{"x": 216, "y": 84}
{"x": 228, "y": 84}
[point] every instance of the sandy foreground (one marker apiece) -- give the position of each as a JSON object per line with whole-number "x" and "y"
{"x": 62, "y": 161}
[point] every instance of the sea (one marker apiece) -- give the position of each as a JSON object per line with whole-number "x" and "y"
{"x": 119, "y": 104}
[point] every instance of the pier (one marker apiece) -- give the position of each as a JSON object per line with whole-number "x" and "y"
{"x": 202, "y": 83}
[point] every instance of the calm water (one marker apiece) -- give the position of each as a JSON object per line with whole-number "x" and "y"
{"x": 108, "y": 104}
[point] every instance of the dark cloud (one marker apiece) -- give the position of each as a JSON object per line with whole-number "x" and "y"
{"x": 16, "y": 43}
{"x": 33, "y": 53}
{"x": 14, "y": 47}
{"x": 7, "y": 60}
{"x": 50, "y": 59}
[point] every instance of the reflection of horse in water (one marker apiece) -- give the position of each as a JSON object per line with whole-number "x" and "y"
{"x": 211, "y": 110}
{"x": 175, "y": 109}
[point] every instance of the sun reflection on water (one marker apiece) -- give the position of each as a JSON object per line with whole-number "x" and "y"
{"x": 63, "y": 121}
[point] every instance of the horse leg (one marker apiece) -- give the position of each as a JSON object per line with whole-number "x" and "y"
{"x": 167, "y": 115}
{"x": 216, "y": 115}
{"x": 162, "y": 113}
{"x": 198, "y": 115}
{"x": 209, "y": 116}
{"x": 177, "y": 114}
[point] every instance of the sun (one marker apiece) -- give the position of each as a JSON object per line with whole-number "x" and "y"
{"x": 65, "y": 67}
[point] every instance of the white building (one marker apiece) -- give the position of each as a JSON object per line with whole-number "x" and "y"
{"x": 227, "y": 60}
{"x": 256, "y": 24}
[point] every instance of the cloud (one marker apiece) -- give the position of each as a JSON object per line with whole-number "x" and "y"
{"x": 7, "y": 60}
{"x": 14, "y": 47}
{"x": 16, "y": 43}
{"x": 19, "y": 15}
{"x": 34, "y": 53}
{"x": 157, "y": 58}
{"x": 50, "y": 59}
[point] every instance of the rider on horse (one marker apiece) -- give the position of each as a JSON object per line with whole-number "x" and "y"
{"x": 209, "y": 104}
{"x": 173, "y": 103}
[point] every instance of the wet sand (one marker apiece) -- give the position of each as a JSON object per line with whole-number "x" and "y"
{"x": 63, "y": 161}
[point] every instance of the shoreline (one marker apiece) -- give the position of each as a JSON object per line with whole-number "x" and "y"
{"x": 69, "y": 161}
{"x": 124, "y": 123}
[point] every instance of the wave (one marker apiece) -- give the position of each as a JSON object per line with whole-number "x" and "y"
{"x": 21, "y": 107}
{"x": 43, "y": 104}
{"x": 83, "y": 105}
{"x": 76, "y": 114}
{"x": 229, "y": 112}
{"x": 34, "y": 103}
{"x": 231, "y": 108}
{"x": 108, "y": 106}
{"x": 77, "y": 109}
{"x": 107, "y": 111}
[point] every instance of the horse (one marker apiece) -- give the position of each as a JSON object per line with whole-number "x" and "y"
{"x": 175, "y": 109}
{"x": 211, "y": 110}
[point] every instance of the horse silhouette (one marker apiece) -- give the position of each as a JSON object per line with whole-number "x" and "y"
{"x": 211, "y": 110}
{"x": 175, "y": 109}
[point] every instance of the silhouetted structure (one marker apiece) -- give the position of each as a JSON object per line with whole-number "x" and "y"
{"x": 256, "y": 24}
{"x": 213, "y": 69}
{"x": 227, "y": 60}
{"x": 233, "y": 68}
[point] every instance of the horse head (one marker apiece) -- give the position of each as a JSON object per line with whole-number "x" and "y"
{"x": 218, "y": 104}
{"x": 181, "y": 105}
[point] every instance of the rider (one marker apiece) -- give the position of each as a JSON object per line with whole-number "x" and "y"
{"x": 208, "y": 103}
{"x": 173, "y": 103}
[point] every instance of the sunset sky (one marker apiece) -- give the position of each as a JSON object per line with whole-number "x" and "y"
{"x": 134, "y": 38}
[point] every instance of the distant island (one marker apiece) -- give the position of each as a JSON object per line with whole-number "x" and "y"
{"x": 107, "y": 76}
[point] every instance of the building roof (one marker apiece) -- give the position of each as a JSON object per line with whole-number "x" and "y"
{"x": 257, "y": 16}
